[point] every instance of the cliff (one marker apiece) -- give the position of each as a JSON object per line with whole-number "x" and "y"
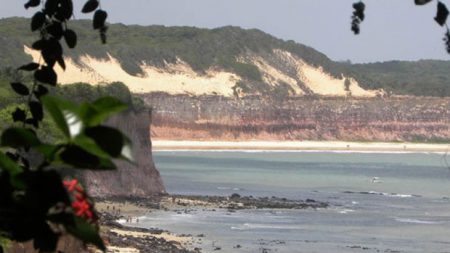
{"x": 416, "y": 119}
{"x": 139, "y": 180}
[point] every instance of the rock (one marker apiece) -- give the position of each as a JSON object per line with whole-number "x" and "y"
{"x": 235, "y": 196}
{"x": 128, "y": 180}
{"x": 300, "y": 118}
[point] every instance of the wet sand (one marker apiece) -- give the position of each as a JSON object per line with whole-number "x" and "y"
{"x": 301, "y": 146}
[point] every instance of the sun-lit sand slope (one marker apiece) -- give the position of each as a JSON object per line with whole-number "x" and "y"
{"x": 179, "y": 78}
{"x": 176, "y": 78}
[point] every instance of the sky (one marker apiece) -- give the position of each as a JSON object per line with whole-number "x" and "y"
{"x": 393, "y": 29}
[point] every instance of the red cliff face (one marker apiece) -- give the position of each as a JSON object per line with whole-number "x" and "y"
{"x": 140, "y": 180}
{"x": 422, "y": 119}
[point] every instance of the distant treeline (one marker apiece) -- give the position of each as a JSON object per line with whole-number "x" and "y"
{"x": 221, "y": 48}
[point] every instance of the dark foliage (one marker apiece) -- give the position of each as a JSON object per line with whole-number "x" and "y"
{"x": 358, "y": 16}
{"x": 35, "y": 202}
{"x": 440, "y": 18}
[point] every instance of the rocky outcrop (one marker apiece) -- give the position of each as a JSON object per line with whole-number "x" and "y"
{"x": 139, "y": 180}
{"x": 422, "y": 119}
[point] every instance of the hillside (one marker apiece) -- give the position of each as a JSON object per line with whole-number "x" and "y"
{"x": 227, "y": 61}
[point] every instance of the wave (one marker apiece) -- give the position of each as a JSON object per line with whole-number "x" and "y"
{"x": 121, "y": 221}
{"x": 406, "y": 220}
{"x": 224, "y": 188}
{"x": 346, "y": 211}
{"x": 395, "y": 195}
{"x": 254, "y": 226}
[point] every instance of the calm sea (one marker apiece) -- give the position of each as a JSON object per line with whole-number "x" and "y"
{"x": 379, "y": 202}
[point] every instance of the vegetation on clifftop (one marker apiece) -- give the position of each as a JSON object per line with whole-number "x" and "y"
{"x": 79, "y": 92}
{"x": 220, "y": 48}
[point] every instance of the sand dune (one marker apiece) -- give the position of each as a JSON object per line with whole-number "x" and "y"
{"x": 323, "y": 83}
{"x": 177, "y": 78}
{"x": 180, "y": 78}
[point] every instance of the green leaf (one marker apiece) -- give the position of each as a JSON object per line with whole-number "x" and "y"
{"x": 99, "y": 19}
{"x": 19, "y": 137}
{"x": 65, "y": 115}
{"x": 29, "y": 67}
{"x": 51, "y": 52}
{"x": 36, "y": 110}
{"x": 102, "y": 109}
{"x": 46, "y": 74}
{"x": 40, "y": 91}
{"x": 106, "y": 164}
{"x": 89, "y": 145}
{"x": 421, "y": 2}
{"x": 49, "y": 151}
{"x": 19, "y": 115}
{"x": 107, "y": 138}
{"x": 32, "y": 3}
{"x": 442, "y": 14}
{"x": 37, "y": 21}
{"x": 50, "y": 7}
{"x": 86, "y": 232}
{"x": 65, "y": 10}
{"x": 90, "y": 6}
{"x": 13, "y": 169}
{"x": 32, "y": 122}
{"x": 70, "y": 37}
{"x": 79, "y": 158}
{"x": 20, "y": 89}
{"x": 39, "y": 44}
{"x": 9, "y": 165}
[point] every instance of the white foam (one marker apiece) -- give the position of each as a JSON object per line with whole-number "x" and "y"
{"x": 345, "y": 211}
{"x": 396, "y": 195}
{"x": 253, "y": 226}
{"x": 406, "y": 220}
{"x": 121, "y": 221}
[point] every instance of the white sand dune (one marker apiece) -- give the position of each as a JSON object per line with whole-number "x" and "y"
{"x": 323, "y": 83}
{"x": 176, "y": 78}
{"x": 180, "y": 78}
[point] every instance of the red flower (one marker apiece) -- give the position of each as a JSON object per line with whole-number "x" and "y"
{"x": 82, "y": 208}
{"x": 81, "y": 205}
{"x": 70, "y": 184}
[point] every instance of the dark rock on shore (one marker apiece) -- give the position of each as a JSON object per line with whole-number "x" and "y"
{"x": 145, "y": 244}
{"x": 236, "y": 202}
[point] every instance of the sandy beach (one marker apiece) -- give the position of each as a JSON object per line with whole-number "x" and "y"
{"x": 301, "y": 146}
{"x": 123, "y": 237}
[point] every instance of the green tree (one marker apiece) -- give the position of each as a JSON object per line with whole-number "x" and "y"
{"x": 36, "y": 203}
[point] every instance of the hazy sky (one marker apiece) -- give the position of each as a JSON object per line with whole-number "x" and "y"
{"x": 393, "y": 29}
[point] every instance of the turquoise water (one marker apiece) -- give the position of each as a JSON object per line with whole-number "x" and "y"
{"x": 379, "y": 202}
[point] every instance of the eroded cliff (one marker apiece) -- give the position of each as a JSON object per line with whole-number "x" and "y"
{"x": 139, "y": 180}
{"x": 422, "y": 119}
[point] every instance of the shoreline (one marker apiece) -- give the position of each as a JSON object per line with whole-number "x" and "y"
{"x": 119, "y": 219}
{"x": 123, "y": 234}
{"x": 299, "y": 146}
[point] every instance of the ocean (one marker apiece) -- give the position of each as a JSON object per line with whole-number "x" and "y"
{"x": 379, "y": 202}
